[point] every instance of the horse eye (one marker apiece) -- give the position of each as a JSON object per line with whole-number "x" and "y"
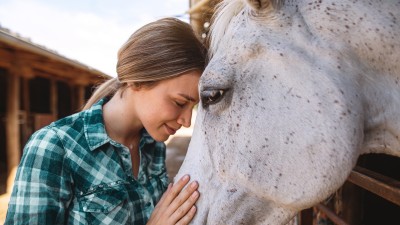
{"x": 210, "y": 97}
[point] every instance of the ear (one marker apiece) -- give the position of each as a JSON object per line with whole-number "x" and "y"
{"x": 135, "y": 86}
{"x": 259, "y": 5}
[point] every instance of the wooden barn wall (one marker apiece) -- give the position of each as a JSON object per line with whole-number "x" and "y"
{"x": 31, "y": 98}
{"x": 3, "y": 155}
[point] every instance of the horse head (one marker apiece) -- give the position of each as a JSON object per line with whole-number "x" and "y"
{"x": 294, "y": 92}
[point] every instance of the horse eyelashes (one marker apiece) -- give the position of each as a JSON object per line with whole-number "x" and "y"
{"x": 210, "y": 97}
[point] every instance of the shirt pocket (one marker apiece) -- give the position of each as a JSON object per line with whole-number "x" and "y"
{"x": 105, "y": 201}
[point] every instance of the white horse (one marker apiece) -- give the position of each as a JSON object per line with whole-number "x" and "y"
{"x": 294, "y": 93}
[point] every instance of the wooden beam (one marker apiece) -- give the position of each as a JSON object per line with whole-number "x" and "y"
{"x": 32, "y": 63}
{"x": 84, "y": 81}
{"x": 331, "y": 215}
{"x": 378, "y": 184}
{"x": 57, "y": 68}
{"x": 11, "y": 58}
{"x": 15, "y": 42}
{"x": 5, "y": 64}
{"x": 5, "y": 56}
{"x": 13, "y": 149}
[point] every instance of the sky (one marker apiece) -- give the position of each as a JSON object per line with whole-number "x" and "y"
{"x": 89, "y": 31}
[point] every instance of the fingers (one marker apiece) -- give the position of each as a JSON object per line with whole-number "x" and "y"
{"x": 161, "y": 206}
{"x": 164, "y": 196}
{"x": 188, "y": 217}
{"x": 176, "y": 206}
{"x": 176, "y": 189}
{"x": 189, "y": 191}
{"x": 186, "y": 211}
{"x": 184, "y": 202}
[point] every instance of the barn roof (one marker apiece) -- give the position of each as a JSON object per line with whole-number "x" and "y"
{"x": 41, "y": 59}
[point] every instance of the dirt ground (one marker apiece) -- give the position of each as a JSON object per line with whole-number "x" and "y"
{"x": 176, "y": 150}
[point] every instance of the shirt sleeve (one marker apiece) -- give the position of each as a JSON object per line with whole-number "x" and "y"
{"x": 42, "y": 187}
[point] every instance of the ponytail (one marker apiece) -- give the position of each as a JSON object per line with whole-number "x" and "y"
{"x": 105, "y": 89}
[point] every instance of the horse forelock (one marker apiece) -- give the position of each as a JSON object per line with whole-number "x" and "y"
{"x": 225, "y": 11}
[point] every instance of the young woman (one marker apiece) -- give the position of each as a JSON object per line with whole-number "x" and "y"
{"x": 106, "y": 164}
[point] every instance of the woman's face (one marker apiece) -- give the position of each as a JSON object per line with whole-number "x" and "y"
{"x": 167, "y": 106}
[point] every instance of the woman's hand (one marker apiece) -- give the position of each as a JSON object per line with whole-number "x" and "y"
{"x": 176, "y": 206}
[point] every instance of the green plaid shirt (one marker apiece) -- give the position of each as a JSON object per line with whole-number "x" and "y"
{"x": 71, "y": 172}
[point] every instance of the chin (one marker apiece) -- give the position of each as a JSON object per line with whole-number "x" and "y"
{"x": 160, "y": 138}
{"x": 158, "y": 134}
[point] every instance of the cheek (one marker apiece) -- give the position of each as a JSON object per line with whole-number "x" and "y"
{"x": 170, "y": 112}
{"x": 161, "y": 113}
{"x": 149, "y": 114}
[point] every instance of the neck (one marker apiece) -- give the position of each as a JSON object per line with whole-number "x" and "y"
{"x": 121, "y": 123}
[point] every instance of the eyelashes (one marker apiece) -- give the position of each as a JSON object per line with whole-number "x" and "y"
{"x": 211, "y": 97}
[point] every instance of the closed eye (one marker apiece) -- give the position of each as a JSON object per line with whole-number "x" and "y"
{"x": 181, "y": 105}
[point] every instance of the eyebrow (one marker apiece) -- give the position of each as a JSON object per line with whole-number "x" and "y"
{"x": 187, "y": 97}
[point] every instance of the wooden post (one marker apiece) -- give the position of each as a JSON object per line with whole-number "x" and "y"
{"x": 54, "y": 99}
{"x": 80, "y": 97}
{"x": 73, "y": 102}
{"x": 352, "y": 200}
{"x": 12, "y": 127}
{"x": 306, "y": 217}
{"x": 27, "y": 126}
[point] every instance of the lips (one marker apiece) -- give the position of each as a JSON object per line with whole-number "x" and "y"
{"x": 170, "y": 130}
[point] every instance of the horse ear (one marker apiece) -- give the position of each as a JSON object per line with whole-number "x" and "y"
{"x": 259, "y": 5}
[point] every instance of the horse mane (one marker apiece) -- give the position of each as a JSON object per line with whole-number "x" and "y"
{"x": 225, "y": 11}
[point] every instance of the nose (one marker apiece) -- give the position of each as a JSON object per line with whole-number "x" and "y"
{"x": 185, "y": 118}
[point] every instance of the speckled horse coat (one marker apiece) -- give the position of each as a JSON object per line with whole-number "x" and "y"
{"x": 295, "y": 91}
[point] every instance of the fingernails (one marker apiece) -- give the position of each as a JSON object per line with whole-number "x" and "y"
{"x": 195, "y": 195}
{"x": 194, "y": 184}
{"x": 185, "y": 178}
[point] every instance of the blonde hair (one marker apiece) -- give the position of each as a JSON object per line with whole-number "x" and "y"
{"x": 160, "y": 50}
